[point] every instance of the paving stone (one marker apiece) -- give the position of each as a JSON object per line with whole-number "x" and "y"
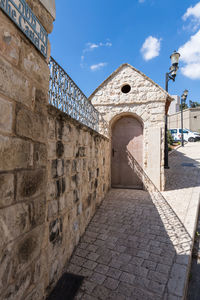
{"x": 89, "y": 264}
{"x": 79, "y": 261}
{"x": 127, "y": 277}
{"x": 85, "y": 272}
{"x": 92, "y": 256}
{"x": 156, "y": 287}
{"x": 114, "y": 273}
{"x": 81, "y": 252}
{"x": 101, "y": 292}
{"x": 150, "y": 265}
{"x": 158, "y": 277}
{"x": 136, "y": 237}
{"x": 163, "y": 268}
{"x": 125, "y": 289}
{"x": 177, "y": 279}
{"x": 92, "y": 248}
{"x": 73, "y": 268}
{"x": 100, "y": 268}
{"x": 88, "y": 286}
{"x": 97, "y": 278}
{"x": 111, "y": 283}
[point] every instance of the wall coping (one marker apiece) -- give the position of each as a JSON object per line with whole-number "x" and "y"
{"x": 50, "y": 7}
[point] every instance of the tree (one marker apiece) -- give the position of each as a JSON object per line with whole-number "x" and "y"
{"x": 185, "y": 106}
{"x": 194, "y": 104}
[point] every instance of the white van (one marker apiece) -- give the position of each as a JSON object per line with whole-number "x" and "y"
{"x": 188, "y": 135}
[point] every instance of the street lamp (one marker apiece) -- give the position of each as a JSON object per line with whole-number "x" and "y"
{"x": 183, "y": 99}
{"x": 170, "y": 76}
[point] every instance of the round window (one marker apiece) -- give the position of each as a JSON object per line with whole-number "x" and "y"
{"x": 126, "y": 89}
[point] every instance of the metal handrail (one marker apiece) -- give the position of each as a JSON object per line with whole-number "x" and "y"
{"x": 65, "y": 95}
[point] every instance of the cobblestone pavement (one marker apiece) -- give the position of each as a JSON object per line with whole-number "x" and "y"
{"x": 136, "y": 247}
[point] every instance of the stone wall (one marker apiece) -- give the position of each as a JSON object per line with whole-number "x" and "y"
{"x": 24, "y": 81}
{"x": 53, "y": 172}
{"x": 78, "y": 179}
{"x": 145, "y": 101}
{"x": 191, "y": 119}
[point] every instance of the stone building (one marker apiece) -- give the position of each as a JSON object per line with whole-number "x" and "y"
{"x": 191, "y": 119}
{"x": 135, "y": 108}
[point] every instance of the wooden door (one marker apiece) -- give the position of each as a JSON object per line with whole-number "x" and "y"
{"x": 127, "y": 133}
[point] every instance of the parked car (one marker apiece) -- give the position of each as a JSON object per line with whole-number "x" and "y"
{"x": 188, "y": 135}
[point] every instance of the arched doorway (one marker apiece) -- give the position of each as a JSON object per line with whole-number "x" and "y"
{"x": 127, "y": 134}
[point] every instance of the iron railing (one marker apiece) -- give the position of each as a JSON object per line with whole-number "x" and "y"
{"x": 65, "y": 95}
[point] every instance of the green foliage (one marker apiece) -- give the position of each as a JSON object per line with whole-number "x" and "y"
{"x": 185, "y": 106}
{"x": 169, "y": 138}
{"x": 194, "y": 104}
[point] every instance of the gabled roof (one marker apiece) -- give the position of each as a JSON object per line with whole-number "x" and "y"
{"x": 168, "y": 97}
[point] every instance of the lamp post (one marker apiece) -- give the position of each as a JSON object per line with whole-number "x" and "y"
{"x": 170, "y": 76}
{"x": 183, "y": 99}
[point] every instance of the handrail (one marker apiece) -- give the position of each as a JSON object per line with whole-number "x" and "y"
{"x": 65, "y": 95}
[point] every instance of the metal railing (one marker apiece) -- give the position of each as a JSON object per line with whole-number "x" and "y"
{"x": 65, "y": 95}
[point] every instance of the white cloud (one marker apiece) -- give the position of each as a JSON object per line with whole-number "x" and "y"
{"x": 150, "y": 48}
{"x": 190, "y": 55}
{"x": 141, "y": 1}
{"x": 192, "y": 12}
{"x": 91, "y": 46}
{"x": 98, "y": 66}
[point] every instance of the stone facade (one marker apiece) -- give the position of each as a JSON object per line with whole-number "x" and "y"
{"x": 146, "y": 101}
{"x": 78, "y": 180}
{"x": 53, "y": 172}
{"x": 191, "y": 119}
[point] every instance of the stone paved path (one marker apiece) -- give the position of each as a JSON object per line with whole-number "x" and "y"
{"x": 136, "y": 246}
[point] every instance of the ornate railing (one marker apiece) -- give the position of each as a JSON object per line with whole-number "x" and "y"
{"x": 65, "y": 95}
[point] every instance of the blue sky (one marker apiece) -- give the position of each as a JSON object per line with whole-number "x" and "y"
{"x": 91, "y": 38}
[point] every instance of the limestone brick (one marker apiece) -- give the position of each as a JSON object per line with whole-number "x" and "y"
{"x": 6, "y": 189}
{"x": 20, "y": 218}
{"x": 15, "y": 85}
{"x": 15, "y": 153}
{"x": 6, "y": 116}
{"x": 10, "y": 42}
{"x": 30, "y": 124}
{"x": 30, "y": 183}
{"x": 33, "y": 64}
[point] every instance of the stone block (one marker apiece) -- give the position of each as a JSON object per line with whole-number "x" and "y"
{"x": 57, "y": 168}
{"x": 6, "y": 189}
{"x": 15, "y": 85}
{"x": 31, "y": 125}
{"x": 40, "y": 155}
{"x": 17, "y": 256}
{"x": 20, "y": 218}
{"x": 34, "y": 64}
{"x": 10, "y": 41}
{"x": 51, "y": 129}
{"x": 51, "y": 147}
{"x": 15, "y": 153}
{"x": 30, "y": 183}
{"x": 69, "y": 150}
{"x": 178, "y": 280}
{"x": 55, "y": 231}
{"x": 52, "y": 209}
{"x": 6, "y": 116}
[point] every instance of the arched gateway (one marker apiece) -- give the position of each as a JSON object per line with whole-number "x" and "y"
{"x": 127, "y": 134}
